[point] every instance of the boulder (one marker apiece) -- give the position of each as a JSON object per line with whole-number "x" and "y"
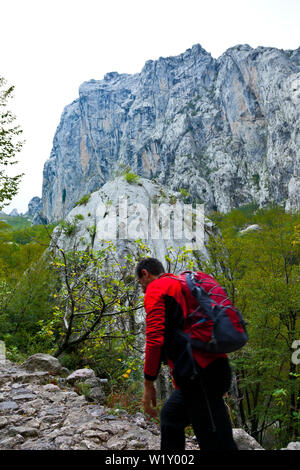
{"x": 244, "y": 441}
{"x": 80, "y": 375}
{"x": 96, "y": 392}
{"x": 44, "y": 362}
{"x": 292, "y": 446}
{"x": 250, "y": 228}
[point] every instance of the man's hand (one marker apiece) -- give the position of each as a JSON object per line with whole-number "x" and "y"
{"x": 149, "y": 397}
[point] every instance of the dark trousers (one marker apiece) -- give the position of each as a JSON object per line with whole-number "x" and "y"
{"x": 189, "y": 406}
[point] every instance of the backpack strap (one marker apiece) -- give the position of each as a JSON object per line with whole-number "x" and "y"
{"x": 202, "y": 297}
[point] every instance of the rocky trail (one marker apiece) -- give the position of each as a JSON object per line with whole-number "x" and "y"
{"x": 41, "y": 410}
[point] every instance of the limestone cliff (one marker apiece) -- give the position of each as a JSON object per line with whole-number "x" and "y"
{"x": 124, "y": 212}
{"x": 226, "y": 130}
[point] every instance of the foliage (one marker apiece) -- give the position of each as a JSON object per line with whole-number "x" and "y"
{"x": 131, "y": 177}
{"x": 16, "y": 222}
{"x": 70, "y": 227}
{"x": 83, "y": 389}
{"x": 260, "y": 271}
{"x": 97, "y": 299}
{"x": 296, "y": 240}
{"x": 179, "y": 259}
{"x": 185, "y": 194}
{"x": 83, "y": 201}
{"x": 173, "y": 199}
{"x": 26, "y": 285}
{"x": 9, "y": 146}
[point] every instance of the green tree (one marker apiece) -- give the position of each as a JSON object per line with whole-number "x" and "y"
{"x": 10, "y": 145}
{"x": 260, "y": 270}
{"x": 26, "y": 286}
{"x": 30, "y": 301}
{"x": 98, "y": 297}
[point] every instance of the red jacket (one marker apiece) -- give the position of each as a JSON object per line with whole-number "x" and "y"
{"x": 167, "y": 308}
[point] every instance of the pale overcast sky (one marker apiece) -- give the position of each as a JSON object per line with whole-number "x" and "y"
{"x": 48, "y": 48}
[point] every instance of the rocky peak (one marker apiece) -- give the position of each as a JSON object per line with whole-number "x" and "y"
{"x": 225, "y": 130}
{"x": 34, "y": 206}
{"x": 14, "y": 213}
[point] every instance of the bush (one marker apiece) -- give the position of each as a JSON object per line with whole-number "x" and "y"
{"x": 83, "y": 201}
{"x": 131, "y": 178}
{"x": 184, "y": 192}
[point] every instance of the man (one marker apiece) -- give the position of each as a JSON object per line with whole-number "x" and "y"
{"x": 200, "y": 403}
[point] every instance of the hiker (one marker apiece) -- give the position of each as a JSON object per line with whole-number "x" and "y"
{"x": 198, "y": 403}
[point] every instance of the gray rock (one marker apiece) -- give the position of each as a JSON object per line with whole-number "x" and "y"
{"x": 18, "y": 389}
{"x": 96, "y": 435}
{"x": 292, "y": 446}
{"x": 51, "y": 388}
{"x": 8, "y": 405}
{"x": 64, "y": 440}
{"x": 24, "y": 431}
{"x": 34, "y": 206}
{"x": 244, "y": 441}
{"x": 11, "y": 442}
{"x": 29, "y": 410}
{"x": 250, "y": 228}
{"x": 43, "y": 362}
{"x": 93, "y": 382}
{"x": 87, "y": 445}
{"x": 80, "y": 375}
{"x": 3, "y": 422}
{"x": 140, "y": 420}
{"x": 25, "y": 396}
{"x": 96, "y": 411}
{"x": 135, "y": 444}
{"x": 40, "y": 444}
{"x": 97, "y": 394}
{"x": 116, "y": 443}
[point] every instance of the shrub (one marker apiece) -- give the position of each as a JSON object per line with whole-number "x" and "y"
{"x": 83, "y": 201}
{"x": 68, "y": 228}
{"x": 131, "y": 178}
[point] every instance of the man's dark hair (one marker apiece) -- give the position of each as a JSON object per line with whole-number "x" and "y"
{"x": 152, "y": 265}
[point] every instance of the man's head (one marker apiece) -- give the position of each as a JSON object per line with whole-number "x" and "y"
{"x": 147, "y": 270}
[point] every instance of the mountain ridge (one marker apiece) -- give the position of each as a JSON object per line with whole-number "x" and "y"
{"x": 225, "y": 130}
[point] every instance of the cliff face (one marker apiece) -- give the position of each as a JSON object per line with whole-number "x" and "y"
{"x": 123, "y": 212}
{"x": 225, "y": 130}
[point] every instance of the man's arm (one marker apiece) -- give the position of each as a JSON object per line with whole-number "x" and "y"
{"x": 155, "y": 328}
{"x": 149, "y": 398}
